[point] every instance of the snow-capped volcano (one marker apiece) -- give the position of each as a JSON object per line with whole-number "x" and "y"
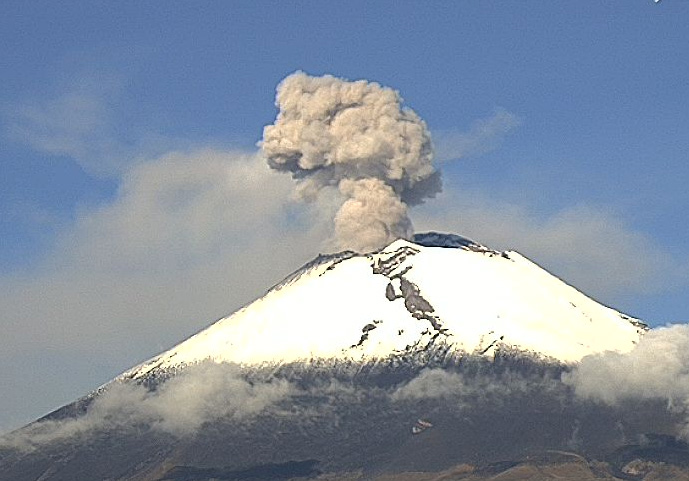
{"x": 405, "y": 360}
{"x": 440, "y": 290}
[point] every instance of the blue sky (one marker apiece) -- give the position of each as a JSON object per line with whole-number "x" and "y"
{"x": 133, "y": 210}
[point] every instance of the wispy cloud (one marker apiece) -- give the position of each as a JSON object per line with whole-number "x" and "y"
{"x": 483, "y": 136}
{"x": 82, "y": 121}
{"x": 590, "y": 247}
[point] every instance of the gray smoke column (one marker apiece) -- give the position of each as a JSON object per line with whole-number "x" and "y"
{"x": 358, "y": 138}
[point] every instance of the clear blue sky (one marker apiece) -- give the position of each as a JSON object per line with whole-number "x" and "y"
{"x": 562, "y": 129}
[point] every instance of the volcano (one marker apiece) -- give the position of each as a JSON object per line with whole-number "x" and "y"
{"x": 438, "y": 292}
{"x": 432, "y": 358}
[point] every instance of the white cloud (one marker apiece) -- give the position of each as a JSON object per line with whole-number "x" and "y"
{"x": 432, "y": 383}
{"x": 656, "y": 369}
{"x": 180, "y": 406}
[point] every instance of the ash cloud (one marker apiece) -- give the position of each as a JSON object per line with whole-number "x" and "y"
{"x": 357, "y": 138}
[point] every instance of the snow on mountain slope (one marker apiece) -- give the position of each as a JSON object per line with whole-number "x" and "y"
{"x": 441, "y": 290}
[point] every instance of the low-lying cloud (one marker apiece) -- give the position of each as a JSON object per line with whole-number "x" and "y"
{"x": 656, "y": 369}
{"x": 600, "y": 389}
{"x": 209, "y": 392}
{"x": 179, "y": 406}
{"x": 455, "y": 387}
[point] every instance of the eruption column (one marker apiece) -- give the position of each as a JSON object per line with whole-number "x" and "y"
{"x": 355, "y": 137}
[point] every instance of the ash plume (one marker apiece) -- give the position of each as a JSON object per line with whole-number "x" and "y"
{"x": 355, "y": 137}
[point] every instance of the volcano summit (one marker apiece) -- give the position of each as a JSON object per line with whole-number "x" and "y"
{"x": 437, "y": 355}
{"x": 441, "y": 292}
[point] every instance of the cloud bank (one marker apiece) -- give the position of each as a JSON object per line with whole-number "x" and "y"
{"x": 179, "y": 406}
{"x": 656, "y": 369}
{"x": 210, "y": 392}
{"x": 177, "y": 243}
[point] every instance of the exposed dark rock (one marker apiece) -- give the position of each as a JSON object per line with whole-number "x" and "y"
{"x": 262, "y": 472}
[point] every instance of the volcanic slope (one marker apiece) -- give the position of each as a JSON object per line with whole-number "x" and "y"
{"x": 440, "y": 290}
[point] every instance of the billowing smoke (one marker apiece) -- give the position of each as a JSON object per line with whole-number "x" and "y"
{"x": 357, "y": 138}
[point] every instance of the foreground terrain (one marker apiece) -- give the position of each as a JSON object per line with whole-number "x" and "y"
{"x": 505, "y": 418}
